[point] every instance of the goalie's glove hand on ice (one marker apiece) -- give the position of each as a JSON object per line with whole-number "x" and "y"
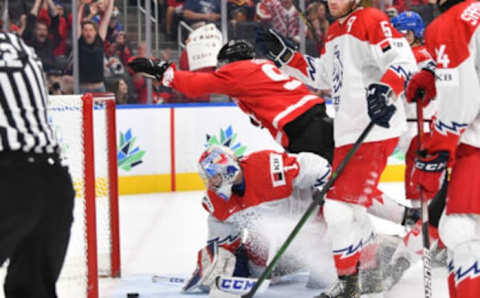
{"x": 212, "y": 261}
{"x": 149, "y": 68}
{"x": 276, "y": 47}
{"x": 429, "y": 172}
{"x": 423, "y": 82}
{"x": 379, "y": 101}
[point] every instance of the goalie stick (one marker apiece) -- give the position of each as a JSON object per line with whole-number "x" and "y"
{"x": 427, "y": 257}
{"x": 223, "y": 284}
{"x": 316, "y": 201}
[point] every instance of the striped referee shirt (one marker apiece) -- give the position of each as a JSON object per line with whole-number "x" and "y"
{"x": 23, "y": 99}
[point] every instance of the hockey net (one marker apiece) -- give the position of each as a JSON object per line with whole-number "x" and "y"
{"x": 85, "y": 128}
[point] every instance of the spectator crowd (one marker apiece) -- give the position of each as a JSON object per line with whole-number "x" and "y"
{"x": 104, "y": 47}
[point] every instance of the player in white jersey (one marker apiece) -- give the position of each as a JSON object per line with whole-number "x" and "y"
{"x": 362, "y": 52}
{"x": 453, "y": 40}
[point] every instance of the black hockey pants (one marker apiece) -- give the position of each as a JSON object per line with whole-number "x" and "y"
{"x": 312, "y": 132}
{"x": 36, "y": 213}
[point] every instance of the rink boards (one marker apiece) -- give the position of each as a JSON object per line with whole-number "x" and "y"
{"x": 159, "y": 145}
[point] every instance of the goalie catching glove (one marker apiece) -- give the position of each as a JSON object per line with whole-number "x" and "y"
{"x": 276, "y": 47}
{"x": 212, "y": 261}
{"x": 149, "y": 68}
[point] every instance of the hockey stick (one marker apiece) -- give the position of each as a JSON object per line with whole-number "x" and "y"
{"x": 427, "y": 257}
{"x": 168, "y": 279}
{"x": 309, "y": 211}
{"x": 416, "y": 120}
{"x": 224, "y": 284}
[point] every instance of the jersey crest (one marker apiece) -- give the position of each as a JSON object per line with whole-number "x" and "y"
{"x": 337, "y": 70}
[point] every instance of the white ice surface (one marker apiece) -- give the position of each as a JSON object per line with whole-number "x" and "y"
{"x": 161, "y": 233}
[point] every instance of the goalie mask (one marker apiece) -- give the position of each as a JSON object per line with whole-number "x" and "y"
{"x": 219, "y": 168}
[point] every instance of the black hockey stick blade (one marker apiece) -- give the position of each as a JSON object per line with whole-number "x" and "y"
{"x": 316, "y": 201}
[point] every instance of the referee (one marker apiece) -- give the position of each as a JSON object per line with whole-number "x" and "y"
{"x": 36, "y": 202}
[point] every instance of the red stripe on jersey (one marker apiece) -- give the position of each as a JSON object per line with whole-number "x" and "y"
{"x": 445, "y": 141}
{"x": 421, "y": 54}
{"x": 299, "y": 62}
{"x": 395, "y": 80}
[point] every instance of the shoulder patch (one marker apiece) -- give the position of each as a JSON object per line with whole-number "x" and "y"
{"x": 276, "y": 170}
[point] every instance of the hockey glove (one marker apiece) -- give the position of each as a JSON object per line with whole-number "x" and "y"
{"x": 149, "y": 68}
{"x": 422, "y": 82}
{"x": 380, "y": 109}
{"x": 212, "y": 261}
{"x": 276, "y": 47}
{"x": 429, "y": 172}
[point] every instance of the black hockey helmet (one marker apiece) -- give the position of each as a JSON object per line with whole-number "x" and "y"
{"x": 235, "y": 50}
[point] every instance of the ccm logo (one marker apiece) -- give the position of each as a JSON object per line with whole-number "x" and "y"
{"x": 236, "y": 284}
{"x": 430, "y": 167}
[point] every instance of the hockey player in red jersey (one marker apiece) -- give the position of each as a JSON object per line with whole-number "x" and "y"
{"x": 265, "y": 192}
{"x": 453, "y": 41}
{"x": 296, "y": 118}
{"x": 362, "y": 52}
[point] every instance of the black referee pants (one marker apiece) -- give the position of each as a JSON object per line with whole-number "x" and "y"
{"x": 36, "y": 213}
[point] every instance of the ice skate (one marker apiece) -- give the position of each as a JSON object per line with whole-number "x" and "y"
{"x": 345, "y": 287}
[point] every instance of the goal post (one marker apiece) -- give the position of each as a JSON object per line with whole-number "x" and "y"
{"x": 86, "y": 130}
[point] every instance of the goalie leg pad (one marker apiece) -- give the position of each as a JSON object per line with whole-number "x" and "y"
{"x": 212, "y": 261}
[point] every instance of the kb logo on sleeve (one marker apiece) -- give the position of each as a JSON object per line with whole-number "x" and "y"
{"x": 276, "y": 170}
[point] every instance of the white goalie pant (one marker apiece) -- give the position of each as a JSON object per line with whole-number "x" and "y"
{"x": 350, "y": 230}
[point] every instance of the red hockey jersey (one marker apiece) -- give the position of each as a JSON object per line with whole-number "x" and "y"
{"x": 268, "y": 176}
{"x": 456, "y": 53}
{"x": 260, "y": 89}
{"x": 276, "y": 184}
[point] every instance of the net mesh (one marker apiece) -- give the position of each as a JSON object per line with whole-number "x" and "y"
{"x": 66, "y": 116}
